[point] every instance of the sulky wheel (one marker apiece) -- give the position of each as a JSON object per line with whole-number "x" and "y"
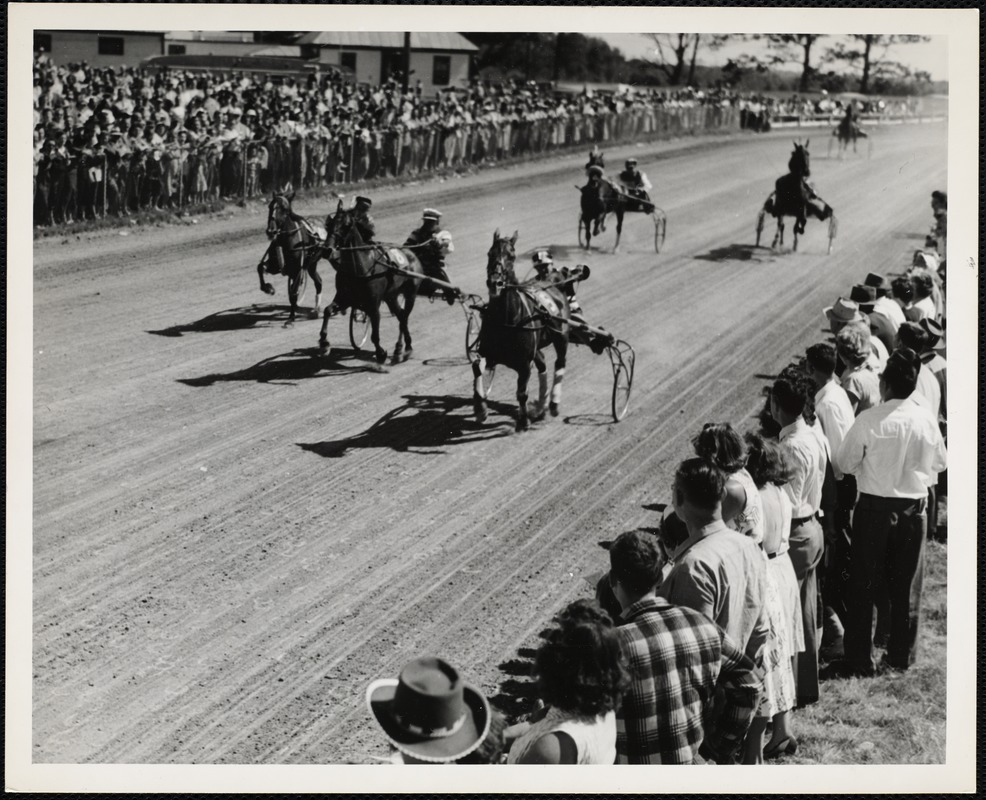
{"x": 660, "y": 229}
{"x": 760, "y": 222}
{"x": 473, "y": 326}
{"x": 622, "y": 383}
{"x": 359, "y": 328}
{"x": 583, "y": 238}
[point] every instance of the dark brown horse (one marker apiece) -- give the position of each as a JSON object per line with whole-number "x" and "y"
{"x": 366, "y": 275}
{"x": 794, "y": 197}
{"x": 519, "y": 320}
{"x": 294, "y": 249}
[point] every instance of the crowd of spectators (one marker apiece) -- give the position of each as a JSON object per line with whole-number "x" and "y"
{"x": 775, "y": 553}
{"x": 116, "y": 141}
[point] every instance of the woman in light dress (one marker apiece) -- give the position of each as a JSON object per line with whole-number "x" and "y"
{"x": 767, "y": 466}
{"x": 581, "y": 676}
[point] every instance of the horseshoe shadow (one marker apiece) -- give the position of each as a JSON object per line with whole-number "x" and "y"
{"x": 290, "y": 368}
{"x": 424, "y": 424}
{"x": 233, "y": 319}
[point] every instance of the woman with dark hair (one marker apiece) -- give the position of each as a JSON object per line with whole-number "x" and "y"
{"x": 720, "y": 444}
{"x": 769, "y": 469}
{"x": 581, "y": 676}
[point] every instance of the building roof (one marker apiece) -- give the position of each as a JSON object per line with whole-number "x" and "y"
{"x": 420, "y": 40}
{"x": 279, "y": 51}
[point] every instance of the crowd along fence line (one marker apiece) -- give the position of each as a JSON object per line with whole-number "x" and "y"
{"x": 215, "y": 170}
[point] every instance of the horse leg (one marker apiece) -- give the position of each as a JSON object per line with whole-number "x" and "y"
{"x": 523, "y": 376}
{"x": 619, "y": 230}
{"x": 561, "y": 355}
{"x": 317, "y": 280}
{"x": 403, "y": 334}
{"x": 779, "y": 233}
{"x": 542, "y": 370}
{"x": 323, "y": 335}
{"x": 265, "y": 287}
{"x": 293, "y": 283}
{"x": 479, "y": 390}
{"x": 374, "y": 315}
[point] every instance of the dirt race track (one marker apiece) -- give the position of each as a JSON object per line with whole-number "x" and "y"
{"x": 233, "y": 537}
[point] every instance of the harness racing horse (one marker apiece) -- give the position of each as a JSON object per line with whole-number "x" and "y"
{"x": 366, "y": 275}
{"x": 294, "y": 249}
{"x": 519, "y": 320}
{"x": 599, "y": 198}
{"x": 848, "y": 130}
{"x": 794, "y": 197}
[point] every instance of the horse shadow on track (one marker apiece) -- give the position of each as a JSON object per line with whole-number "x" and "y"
{"x": 290, "y": 368}
{"x": 740, "y": 252}
{"x": 424, "y": 424}
{"x": 233, "y": 319}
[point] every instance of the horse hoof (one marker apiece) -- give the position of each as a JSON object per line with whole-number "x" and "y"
{"x": 314, "y": 313}
{"x": 522, "y": 425}
{"x": 381, "y": 356}
{"x": 289, "y": 323}
{"x": 268, "y": 289}
{"x": 554, "y": 409}
{"x": 480, "y": 410}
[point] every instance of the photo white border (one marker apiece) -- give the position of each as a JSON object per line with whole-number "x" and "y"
{"x": 961, "y": 26}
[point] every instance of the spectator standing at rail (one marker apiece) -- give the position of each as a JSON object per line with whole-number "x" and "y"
{"x": 835, "y": 416}
{"x": 678, "y": 658}
{"x": 895, "y": 450}
{"x": 431, "y": 716}
{"x": 806, "y": 449}
{"x": 769, "y": 471}
{"x": 924, "y": 303}
{"x": 859, "y": 380}
{"x": 581, "y": 677}
{"x": 715, "y": 571}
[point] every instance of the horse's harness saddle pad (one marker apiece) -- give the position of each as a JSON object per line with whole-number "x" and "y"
{"x": 544, "y": 301}
{"x": 398, "y": 257}
{"x": 316, "y": 230}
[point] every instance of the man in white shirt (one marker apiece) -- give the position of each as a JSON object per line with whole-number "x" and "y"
{"x": 835, "y": 417}
{"x": 884, "y": 304}
{"x": 896, "y": 451}
{"x": 928, "y": 391}
{"x": 807, "y": 451}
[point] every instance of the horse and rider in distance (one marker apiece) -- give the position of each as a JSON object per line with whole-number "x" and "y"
{"x": 601, "y": 196}
{"x": 794, "y": 196}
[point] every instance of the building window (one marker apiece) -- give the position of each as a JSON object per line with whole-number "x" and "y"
{"x": 176, "y": 49}
{"x": 348, "y": 60}
{"x": 441, "y": 70}
{"x": 111, "y": 45}
{"x": 42, "y": 42}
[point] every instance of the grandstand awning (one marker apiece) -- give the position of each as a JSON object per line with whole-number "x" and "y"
{"x": 420, "y": 40}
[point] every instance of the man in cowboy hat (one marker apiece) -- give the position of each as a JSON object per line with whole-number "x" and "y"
{"x": 884, "y": 303}
{"x": 362, "y": 219}
{"x": 429, "y": 714}
{"x": 881, "y": 326}
{"x": 431, "y": 244}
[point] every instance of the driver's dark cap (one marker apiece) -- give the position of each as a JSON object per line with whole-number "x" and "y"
{"x": 631, "y": 161}
{"x": 363, "y": 201}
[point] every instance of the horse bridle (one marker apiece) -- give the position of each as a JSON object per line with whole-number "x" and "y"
{"x": 496, "y": 277}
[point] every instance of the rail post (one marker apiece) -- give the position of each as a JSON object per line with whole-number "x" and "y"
{"x": 105, "y": 181}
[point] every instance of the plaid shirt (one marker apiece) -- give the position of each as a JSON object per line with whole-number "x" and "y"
{"x": 678, "y": 657}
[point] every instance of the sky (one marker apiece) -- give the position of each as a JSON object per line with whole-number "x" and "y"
{"x": 931, "y": 57}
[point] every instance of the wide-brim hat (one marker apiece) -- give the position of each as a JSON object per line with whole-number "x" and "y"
{"x": 936, "y": 333}
{"x": 843, "y": 311}
{"x": 429, "y": 712}
{"x": 861, "y": 293}
{"x": 878, "y": 282}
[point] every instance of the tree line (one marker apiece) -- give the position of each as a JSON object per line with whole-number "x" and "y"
{"x": 793, "y": 62}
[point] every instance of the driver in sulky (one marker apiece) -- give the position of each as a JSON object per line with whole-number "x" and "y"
{"x": 568, "y": 278}
{"x": 431, "y": 245}
{"x": 634, "y": 181}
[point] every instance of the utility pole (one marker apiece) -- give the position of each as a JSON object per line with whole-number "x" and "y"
{"x": 407, "y": 62}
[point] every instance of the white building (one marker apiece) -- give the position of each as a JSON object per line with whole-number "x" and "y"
{"x": 99, "y": 48}
{"x": 438, "y": 60}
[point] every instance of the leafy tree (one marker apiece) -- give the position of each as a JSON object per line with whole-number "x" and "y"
{"x": 672, "y": 51}
{"x": 870, "y": 51}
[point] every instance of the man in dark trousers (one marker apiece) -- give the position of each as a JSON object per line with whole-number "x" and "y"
{"x": 896, "y": 451}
